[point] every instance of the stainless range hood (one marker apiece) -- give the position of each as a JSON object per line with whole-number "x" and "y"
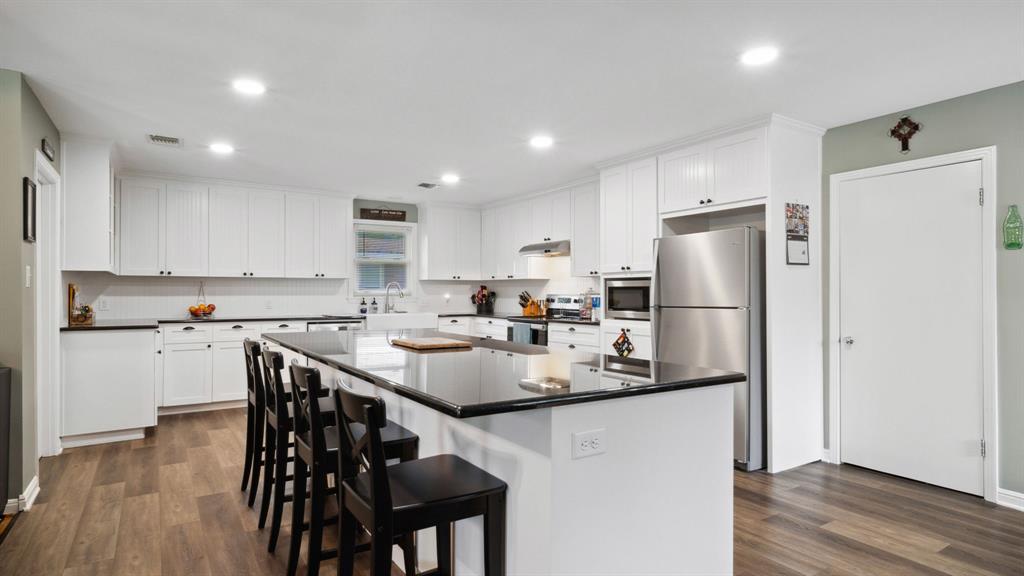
{"x": 555, "y": 248}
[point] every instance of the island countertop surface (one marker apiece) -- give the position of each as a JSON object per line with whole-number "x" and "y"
{"x": 494, "y": 376}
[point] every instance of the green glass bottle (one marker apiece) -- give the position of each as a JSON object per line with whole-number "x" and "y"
{"x": 1013, "y": 230}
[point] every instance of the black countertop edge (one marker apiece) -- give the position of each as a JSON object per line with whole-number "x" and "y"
{"x": 519, "y": 318}
{"x": 126, "y": 324}
{"x": 454, "y": 314}
{"x": 509, "y": 405}
{"x": 147, "y": 323}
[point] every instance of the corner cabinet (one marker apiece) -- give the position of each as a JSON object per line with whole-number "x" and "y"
{"x": 722, "y": 171}
{"x": 629, "y": 217}
{"x": 164, "y": 228}
{"x": 449, "y": 243}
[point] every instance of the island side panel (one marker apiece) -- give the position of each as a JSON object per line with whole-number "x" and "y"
{"x": 659, "y": 500}
{"x": 515, "y": 447}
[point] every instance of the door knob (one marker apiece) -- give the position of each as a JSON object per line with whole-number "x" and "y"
{"x": 848, "y": 340}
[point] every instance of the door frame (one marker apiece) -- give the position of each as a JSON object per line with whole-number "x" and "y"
{"x": 47, "y": 263}
{"x": 989, "y": 229}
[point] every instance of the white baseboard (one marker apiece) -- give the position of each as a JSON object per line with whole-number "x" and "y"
{"x": 1010, "y": 499}
{"x": 25, "y": 500}
{"x": 826, "y": 456}
{"x": 226, "y": 405}
{"x": 11, "y": 507}
{"x": 102, "y": 437}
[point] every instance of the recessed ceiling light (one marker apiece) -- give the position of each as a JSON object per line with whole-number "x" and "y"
{"x": 760, "y": 56}
{"x": 222, "y": 148}
{"x": 542, "y": 141}
{"x": 248, "y": 86}
{"x": 450, "y": 178}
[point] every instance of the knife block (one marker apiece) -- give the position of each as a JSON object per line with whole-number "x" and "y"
{"x": 533, "y": 309}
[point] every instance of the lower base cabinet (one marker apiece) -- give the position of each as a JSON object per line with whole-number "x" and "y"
{"x": 188, "y": 373}
{"x": 228, "y": 372}
{"x": 639, "y": 333}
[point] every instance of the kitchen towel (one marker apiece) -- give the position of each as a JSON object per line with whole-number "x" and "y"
{"x": 521, "y": 332}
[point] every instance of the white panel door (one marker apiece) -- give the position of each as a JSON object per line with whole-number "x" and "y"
{"x": 187, "y": 373}
{"x": 615, "y": 220}
{"x": 584, "y": 250}
{"x": 439, "y": 238}
{"x": 300, "y": 236}
{"x": 561, "y": 215}
{"x": 335, "y": 232}
{"x": 229, "y": 232}
{"x": 682, "y": 179}
{"x": 266, "y": 233}
{"x": 228, "y": 372}
{"x": 488, "y": 245}
{"x": 467, "y": 249}
{"x": 505, "y": 245}
{"x": 141, "y": 227}
{"x": 739, "y": 167}
{"x": 540, "y": 219}
{"x": 521, "y": 232}
{"x": 911, "y": 325}
{"x": 643, "y": 212}
{"x": 186, "y": 229}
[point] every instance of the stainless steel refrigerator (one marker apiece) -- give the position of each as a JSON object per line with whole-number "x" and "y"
{"x": 707, "y": 309}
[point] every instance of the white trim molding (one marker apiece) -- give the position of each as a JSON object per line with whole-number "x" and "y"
{"x": 1010, "y": 499}
{"x": 990, "y": 356}
{"x": 826, "y": 457}
{"x": 188, "y": 409}
{"x": 25, "y": 500}
{"x": 103, "y": 437}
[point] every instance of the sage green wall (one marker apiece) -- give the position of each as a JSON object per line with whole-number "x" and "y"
{"x": 993, "y": 117}
{"x": 23, "y": 125}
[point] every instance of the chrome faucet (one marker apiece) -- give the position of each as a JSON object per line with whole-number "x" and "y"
{"x": 389, "y": 306}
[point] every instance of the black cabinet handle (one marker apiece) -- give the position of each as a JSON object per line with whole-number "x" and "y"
{"x": 237, "y": 327}
{"x": 571, "y": 329}
{"x": 488, "y": 337}
{"x": 572, "y": 346}
{"x": 490, "y": 321}
{"x": 454, "y": 321}
{"x": 629, "y": 267}
{"x": 622, "y": 267}
{"x": 169, "y": 272}
{"x": 161, "y": 271}
{"x": 283, "y": 326}
{"x": 159, "y": 351}
{"x": 209, "y": 345}
{"x": 702, "y": 202}
{"x": 709, "y": 200}
{"x": 189, "y": 328}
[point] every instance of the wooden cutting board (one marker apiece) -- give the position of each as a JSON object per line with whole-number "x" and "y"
{"x": 435, "y": 343}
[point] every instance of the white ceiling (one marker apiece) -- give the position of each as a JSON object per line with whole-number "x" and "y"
{"x": 371, "y": 99}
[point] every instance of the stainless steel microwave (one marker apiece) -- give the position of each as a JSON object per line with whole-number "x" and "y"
{"x": 627, "y": 299}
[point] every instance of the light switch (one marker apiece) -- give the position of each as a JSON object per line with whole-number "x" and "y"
{"x": 28, "y": 276}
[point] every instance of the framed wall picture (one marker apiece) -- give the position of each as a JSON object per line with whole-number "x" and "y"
{"x": 48, "y": 150}
{"x": 28, "y": 190}
{"x": 797, "y": 232}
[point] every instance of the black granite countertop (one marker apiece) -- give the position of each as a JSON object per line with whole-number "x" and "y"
{"x": 494, "y": 376}
{"x": 520, "y": 318}
{"x": 116, "y": 324}
{"x": 130, "y": 323}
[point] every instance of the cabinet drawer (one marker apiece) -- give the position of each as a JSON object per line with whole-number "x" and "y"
{"x": 490, "y": 328}
{"x": 282, "y": 326}
{"x": 456, "y": 324}
{"x": 235, "y": 331}
{"x": 496, "y": 323}
{"x": 179, "y": 333}
{"x": 574, "y": 334}
{"x": 573, "y": 347}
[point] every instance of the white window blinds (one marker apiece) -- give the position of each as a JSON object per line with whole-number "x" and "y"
{"x": 381, "y": 258}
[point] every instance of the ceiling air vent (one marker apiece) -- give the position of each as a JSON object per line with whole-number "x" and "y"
{"x": 159, "y": 140}
{"x": 427, "y": 185}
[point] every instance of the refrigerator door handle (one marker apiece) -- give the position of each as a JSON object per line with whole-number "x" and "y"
{"x": 655, "y": 290}
{"x": 655, "y": 337}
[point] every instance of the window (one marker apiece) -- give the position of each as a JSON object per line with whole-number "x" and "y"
{"x": 381, "y": 254}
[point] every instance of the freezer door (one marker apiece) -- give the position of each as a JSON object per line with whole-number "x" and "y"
{"x": 708, "y": 269}
{"x": 713, "y": 338}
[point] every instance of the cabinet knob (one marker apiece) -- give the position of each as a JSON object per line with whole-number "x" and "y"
{"x": 161, "y": 271}
{"x": 622, "y": 267}
{"x": 159, "y": 351}
{"x": 236, "y": 327}
{"x": 572, "y": 346}
{"x": 209, "y": 345}
{"x": 629, "y": 267}
{"x": 169, "y": 272}
{"x": 571, "y": 329}
{"x": 709, "y": 200}
{"x": 187, "y": 328}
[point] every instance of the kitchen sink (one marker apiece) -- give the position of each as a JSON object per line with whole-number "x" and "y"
{"x": 401, "y": 320}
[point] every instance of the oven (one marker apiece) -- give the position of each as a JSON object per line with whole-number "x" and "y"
{"x": 627, "y": 299}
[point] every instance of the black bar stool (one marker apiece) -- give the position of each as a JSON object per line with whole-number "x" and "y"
{"x": 408, "y": 496}
{"x": 255, "y": 417}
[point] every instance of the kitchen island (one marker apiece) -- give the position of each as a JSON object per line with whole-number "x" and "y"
{"x": 614, "y": 466}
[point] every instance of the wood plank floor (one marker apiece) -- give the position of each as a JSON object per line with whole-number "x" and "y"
{"x": 170, "y": 504}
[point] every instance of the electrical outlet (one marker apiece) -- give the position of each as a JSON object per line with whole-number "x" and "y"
{"x": 101, "y": 304}
{"x": 269, "y": 304}
{"x": 589, "y": 443}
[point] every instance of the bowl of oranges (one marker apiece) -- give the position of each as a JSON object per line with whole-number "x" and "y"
{"x": 202, "y": 310}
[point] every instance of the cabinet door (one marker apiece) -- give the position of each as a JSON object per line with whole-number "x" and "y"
{"x": 561, "y": 215}
{"x": 521, "y": 232}
{"x": 584, "y": 246}
{"x": 187, "y": 374}
{"x": 229, "y": 232}
{"x": 739, "y": 167}
{"x": 141, "y": 227}
{"x": 682, "y": 179}
{"x": 335, "y": 231}
{"x": 488, "y": 245}
{"x": 266, "y": 233}
{"x": 540, "y": 220}
{"x": 644, "y": 224}
{"x": 186, "y": 229}
{"x": 615, "y": 220}
{"x": 300, "y": 236}
{"x": 641, "y": 342}
{"x": 505, "y": 245}
{"x": 467, "y": 248}
{"x": 438, "y": 244}
{"x": 229, "y": 379}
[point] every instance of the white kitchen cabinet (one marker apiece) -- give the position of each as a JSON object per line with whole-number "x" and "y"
{"x": 521, "y": 231}
{"x": 493, "y": 328}
{"x": 738, "y": 165}
{"x": 141, "y": 232}
{"x": 507, "y": 251}
{"x": 638, "y": 332}
{"x": 489, "y": 244}
{"x": 108, "y": 381}
{"x": 449, "y": 243}
{"x": 266, "y": 234}
{"x": 456, "y": 325}
{"x": 682, "y": 179}
{"x": 584, "y": 378}
{"x": 187, "y": 373}
{"x": 629, "y": 217}
{"x": 186, "y": 229}
{"x": 581, "y": 337}
{"x": 300, "y": 241}
{"x": 227, "y": 372}
{"x": 549, "y": 217}
{"x": 229, "y": 231}
{"x": 87, "y": 204}
{"x": 584, "y": 245}
{"x": 334, "y": 233}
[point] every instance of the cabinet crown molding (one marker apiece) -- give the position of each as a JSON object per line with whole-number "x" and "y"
{"x": 230, "y": 183}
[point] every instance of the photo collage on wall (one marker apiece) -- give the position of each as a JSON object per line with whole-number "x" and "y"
{"x": 797, "y": 232}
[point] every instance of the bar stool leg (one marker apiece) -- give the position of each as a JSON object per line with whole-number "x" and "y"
{"x": 258, "y": 453}
{"x": 408, "y": 544}
{"x": 316, "y": 522}
{"x": 494, "y": 536}
{"x": 280, "y": 472}
{"x": 249, "y": 423}
{"x": 298, "y": 515}
{"x": 444, "y": 549}
{"x": 348, "y": 530}
{"x": 269, "y": 479}
{"x": 381, "y": 542}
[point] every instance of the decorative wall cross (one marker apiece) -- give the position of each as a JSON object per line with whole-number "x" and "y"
{"x": 903, "y": 131}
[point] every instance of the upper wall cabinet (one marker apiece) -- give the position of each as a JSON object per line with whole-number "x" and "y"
{"x": 719, "y": 171}
{"x": 246, "y": 232}
{"x": 449, "y": 243}
{"x": 550, "y": 217}
{"x": 88, "y": 205}
{"x": 629, "y": 217}
{"x": 584, "y": 250}
{"x": 164, "y": 228}
{"x": 318, "y": 232}
{"x": 489, "y": 244}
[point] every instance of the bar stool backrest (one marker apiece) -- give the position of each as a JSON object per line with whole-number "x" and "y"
{"x": 360, "y": 419}
{"x": 254, "y": 370}
{"x": 277, "y": 398}
{"x": 309, "y": 422}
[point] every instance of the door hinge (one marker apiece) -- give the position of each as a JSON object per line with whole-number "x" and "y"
{"x": 981, "y": 196}
{"x": 983, "y": 450}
